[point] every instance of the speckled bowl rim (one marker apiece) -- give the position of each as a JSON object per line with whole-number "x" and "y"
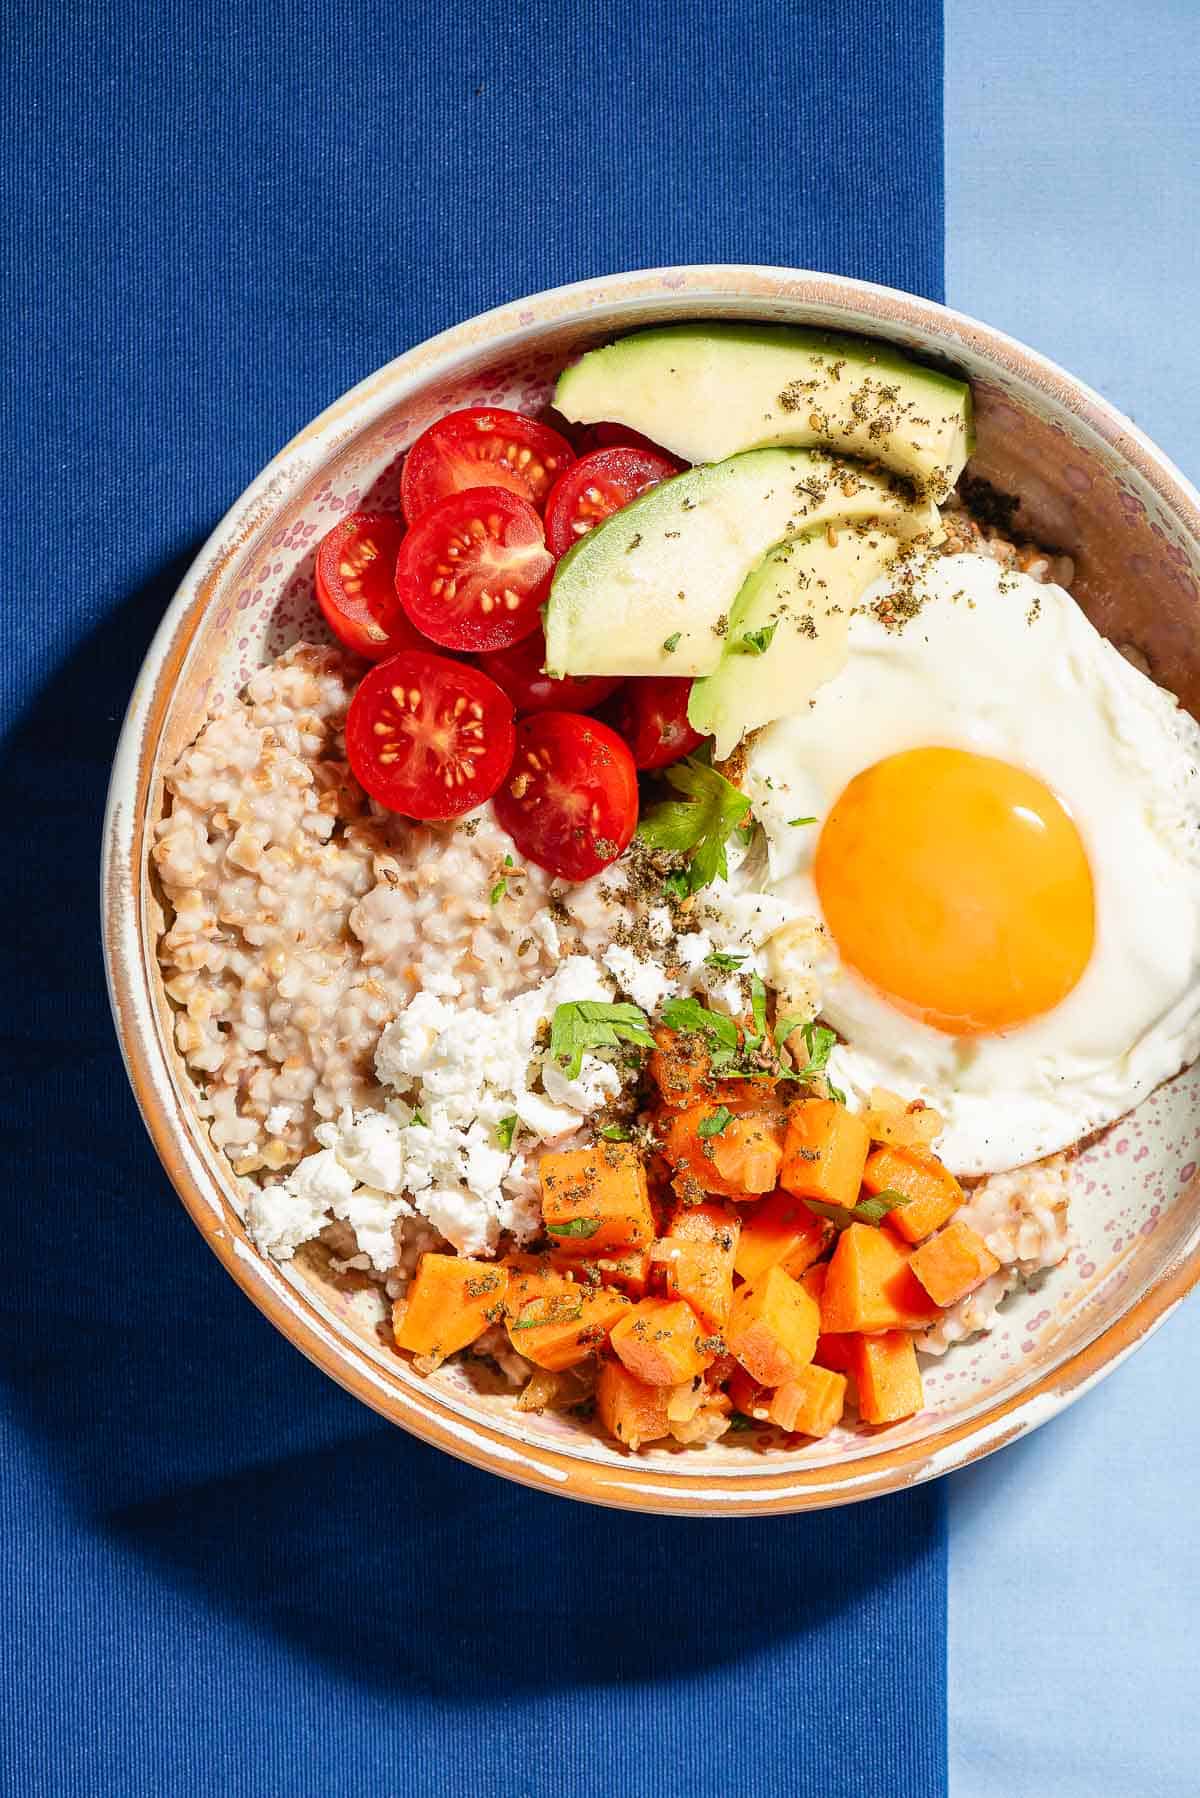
{"x": 128, "y": 950}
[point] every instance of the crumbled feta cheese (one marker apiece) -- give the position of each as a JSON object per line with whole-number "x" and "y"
{"x": 373, "y": 1216}
{"x": 279, "y": 1218}
{"x": 550, "y": 1123}
{"x": 278, "y": 1119}
{"x": 646, "y": 982}
{"x": 596, "y": 1082}
{"x": 458, "y": 1215}
{"x": 370, "y": 1146}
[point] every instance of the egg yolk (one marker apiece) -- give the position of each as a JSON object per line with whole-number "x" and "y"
{"x": 959, "y": 887}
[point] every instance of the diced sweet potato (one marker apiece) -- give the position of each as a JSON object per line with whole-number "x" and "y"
{"x": 889, "y": 1380}
{"x": 824, "y": 1153}
{"x": 629, "y": 1272}
{"x": 835, "y": 1352}
{"x": 747, "y": 1396}
{"x": 696, "y": 1258}
{"x": 870, "y": 1285}
{"x": 553, "y": 1320}
{"x": 814, "y": 1278}
{"x": 628, "y": 1408}
{"x": 811, "y": 1403}
{"x": 450, "y": 1301}
{"x": 780, "y": 1232}
{"x": 772, "y": 1327}
{"x": 662, "y": 1342}
{"x": 931, "y": 1192}
{"x": 595, "y": 1200}
{"x": 739, "y": 1158}
{"x": 953, "y": 1263}
{"x": 679, "y": 1066}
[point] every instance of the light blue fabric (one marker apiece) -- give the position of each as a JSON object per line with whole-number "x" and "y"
{"x": 1071, "y": 139}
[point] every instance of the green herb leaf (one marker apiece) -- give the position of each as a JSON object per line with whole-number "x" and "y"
{"x": 498, "y": 891}
{"x": 795, "y": 821}
{"x": 739, "y": 1421}
{"x": 878, "y": 1205}
{"x": 716, "y": 1123}
{"x": 508, "y": 862}
{"x": 672, "y": 643}
{"x": 745, "y": 833}
{"x": 688, "y": 1016}
{"x": 794, "y": 1020}
{"x": 677, "y": 885}
{"x": 615, "y": 1132}
{"x": 867, "y": 1211}
{"x": 758, "y": 1006}
{"x": 416, "y": 1118}
{"x": 698, "y": 825}
{"x": 575, "y": 1226}
{"x": 835, "y": 1092}
{"x": 584, "y": 1024}
{"x": 506, "y": 1129}
{"x": 757, "y": 643}
{"x": 723, "y": 961}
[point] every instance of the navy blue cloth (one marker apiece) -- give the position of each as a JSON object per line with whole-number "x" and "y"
{"x": 219, "y": 1573}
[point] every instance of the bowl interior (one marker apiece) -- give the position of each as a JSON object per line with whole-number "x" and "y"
{"x": 1079, "y": 491}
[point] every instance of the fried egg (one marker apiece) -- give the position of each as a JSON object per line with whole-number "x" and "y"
{"x": 1004, "y": 854}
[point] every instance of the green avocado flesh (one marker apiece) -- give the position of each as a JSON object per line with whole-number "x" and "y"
{"x": 706, "y": 392}
{"x": 788, "y": 631}
{"x": 649, "y": 591}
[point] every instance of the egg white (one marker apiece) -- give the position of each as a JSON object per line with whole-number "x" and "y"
{"x": 996, "y": 663}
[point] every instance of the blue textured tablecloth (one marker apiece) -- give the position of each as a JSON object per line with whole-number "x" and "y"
{"x": 219, "y": 1574}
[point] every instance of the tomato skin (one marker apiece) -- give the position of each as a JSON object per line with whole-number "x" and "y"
{"x": 482, "y": 446}
{"x": 598, "y": 485}
{"x": 519, "y": 671}
{"x": 651, "y": 715}
{"x": 605, "y": 435}
{"x": 355, "y": 588}
{"x": 473, "y": 571}
{"x": 435, "y": 757}
{"x": 570, "y": 801}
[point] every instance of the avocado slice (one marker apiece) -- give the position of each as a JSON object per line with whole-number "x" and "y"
{"x": 706, "y": 392}
{"x": 788, "y": 630}
{"x": 649, "y": 590}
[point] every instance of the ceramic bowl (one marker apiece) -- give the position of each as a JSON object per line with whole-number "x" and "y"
{"x": 1090, "y": 484}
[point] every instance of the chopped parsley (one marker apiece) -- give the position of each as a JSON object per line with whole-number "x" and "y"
{"x": 700, "y": 824}
{"x": 417, "y": 1119}
{"x": 689, "y": 1016}
{"x": 756, "y": 643}
{"x": 672, "y": 643}
{"x": 794, "y": 821}
{"x": 506, "y": 1129}
{"x": 498, "y": 891}
{"x": 584, "y": 1024}
{"x": 575, "y": 1226}
{"x": 758, "y": 1006}
{"x": 615, "y": 1132}
{"x": 723, "y": 962}
{"x": 716, "y": 1123}
{"x": 867, "y": 1211}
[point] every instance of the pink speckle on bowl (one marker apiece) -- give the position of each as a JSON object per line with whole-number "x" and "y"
{"x": 1076, "y": 478}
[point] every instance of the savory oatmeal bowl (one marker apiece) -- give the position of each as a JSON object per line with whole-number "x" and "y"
{"x": 651, "y": 890}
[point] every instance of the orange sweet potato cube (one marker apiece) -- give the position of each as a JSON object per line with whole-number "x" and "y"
{"x": 628, "y": 1408}
{"x": 628, "y": 1270}
{"x": 662, "y": 1342}
{"x": 697, "y": 1259}
{"x": 740, "y": 1159}
{"x": 680, "y": 1067}
{"x": 889, "y": 1380}
{"x": 553, "y": 1320}
{"x": 836, "y": 1353}
{"x": 594, "y": 1200}
{"x": 747, "y": 1396}
{"x": 953, "y": 1263}
{"x": 813, "y": 1279}
{"x": 931, "y": 1192}
{"x": 780, "y": 1232}
{"x": 772, "y": 1328}
{"x": 450, "y": 1301}
{"x": 870, "y": 1285}
{"x": 811, "y": 1403}
{"x": 824, "y": 1153}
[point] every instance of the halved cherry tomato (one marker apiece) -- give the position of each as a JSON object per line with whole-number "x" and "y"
{"x": 482, "y": 446}
{"x": 473, "y": 571}
{"x": 429, "y": 737}
{"x": 608, "y": 436}
{"x": 519, "y": 671}
{"x": 355, "y": 584}
{"x": 651, "y": 715}
{"x": 597, "y": 486}
{"x": 570, "y": 801}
